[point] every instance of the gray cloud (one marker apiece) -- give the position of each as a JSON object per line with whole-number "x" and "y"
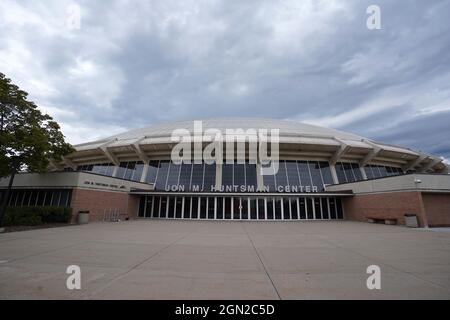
{"x": 132, "y": 64}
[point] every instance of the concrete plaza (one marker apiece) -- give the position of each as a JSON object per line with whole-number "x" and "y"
{"x": 156, "y": 259}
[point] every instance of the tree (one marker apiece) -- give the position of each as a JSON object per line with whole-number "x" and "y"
{"x": 28, "y": 138}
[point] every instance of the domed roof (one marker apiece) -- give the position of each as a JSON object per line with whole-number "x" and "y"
{"x": 286, "y": 127}
{"x": 305, "y": 139}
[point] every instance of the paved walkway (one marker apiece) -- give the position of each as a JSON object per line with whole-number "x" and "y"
{"x": 219, "y": 260}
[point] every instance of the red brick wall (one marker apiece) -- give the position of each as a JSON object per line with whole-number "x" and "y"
{"x": 385, "y": 205}
{"x": 133, "y": 206}
{"x": 96, "y": 201}
{"x": 437, "y": 208}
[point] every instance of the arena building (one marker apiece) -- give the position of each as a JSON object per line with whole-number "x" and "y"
{"x": 323, "y": 174}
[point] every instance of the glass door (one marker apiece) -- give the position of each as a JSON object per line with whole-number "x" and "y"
{"x": 236, "y": 208}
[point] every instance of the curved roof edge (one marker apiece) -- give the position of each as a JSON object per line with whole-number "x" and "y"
{"x": 291, "y": 133}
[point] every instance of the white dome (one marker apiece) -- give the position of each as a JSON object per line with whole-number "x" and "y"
{"x": 293, "y": 134}
{"x": 286, "y": 128}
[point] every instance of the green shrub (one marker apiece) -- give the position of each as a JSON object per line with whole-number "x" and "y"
{"x": 31, "y": 216}
{"x": 56, "y": 214}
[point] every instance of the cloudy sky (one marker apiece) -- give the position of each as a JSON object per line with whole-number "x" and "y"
{"x": 130, "y": 64}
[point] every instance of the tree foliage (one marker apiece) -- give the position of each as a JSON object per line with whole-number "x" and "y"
{"x": 27, "y": 136}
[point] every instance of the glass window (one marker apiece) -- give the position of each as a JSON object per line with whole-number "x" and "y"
{"x": 340, "y": 213}
{"x": 269, "y": 179}
{"x": 55, "y": 199}
{"x": 244, "y": 208}
{"x": 278, "y": 208}
{"x": 121, "y": 170}
{"x": 228, "y": 204}
{"x": 357, "y": 172}
{"x": 129, "y": 171}
{"x": 102, "y": 168}
{"x": 162, "y": 175}
{"x": 383, "y": 171}
{"x": 369, "y": 172}
{"x": 12, "y": 197}
{"x": 269, "y": 204}
{"x": 239, "y": 174}
{"x": 326, "y": 172}
{"x": 178, "y": 207}
{"x": 302, "y": 207}
{"x": 261, "y": 209}
{"x": 41, "y": 197}
{"x": 286, "y": 209}
{"x": 396, "y": 171}
{"x": 164, "y": 205}
{"x": 303, "y": 171}
{"x": 236, "y": 208}
{"x": 194, "y": 212}
{"x": 325, "y": 211}
{"x": 141, "y": 210}
{"x": 349, "y": 172}
{"x": 33, "y": 197}
{"x": 281, "y": 179}
{"x": 48, "y": 197}
{"x": 185, "y": 176}
{"x": 203, "y": 207}
{"x": 197, "y": 177}
{"x": 332, "y": 208}
{"x": 137, "y": 173}
{"x": 152, "y": 172}
{"x": 292, "y": 173}
{"x": 389, "y": 171}
{"x": 15, "y": 199}
{"x": 97, "y": 168}
{"x": 209, "y": 180}
{"x": 109, "y": 170}
{"x": 294, "y": 208}
{"x": 219, "y": 208}
{"x": 376, "y": 171}
{"x": 149, "y": 206}
{"x": 174, "y": 173}
{"x": 227, "y": 174}
{"x": 315, "y": 175}
{"x": 26, "y": 198}
{"x": 310, "y": 208}
{"x": 253, "y": 209}
{"x": 156, "y": 206}
{"x": 317, "y": 208}
{"x": 64, "y": 198}
{"x": 342, "y": 178}
{"x": 187, "y": 207}
{"x": 171, "y": 207}
{"x": 250, "y": 173}
{"x": 211, "y": 207}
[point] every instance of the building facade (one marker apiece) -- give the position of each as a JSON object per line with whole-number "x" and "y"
{"x": 323, "y": 174}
